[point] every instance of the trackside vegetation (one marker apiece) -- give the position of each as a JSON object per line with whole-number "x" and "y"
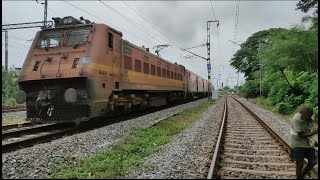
{"x": 283, "y": 64}
{"x": 116, "y": 162}
{"x": 13, "y": 86}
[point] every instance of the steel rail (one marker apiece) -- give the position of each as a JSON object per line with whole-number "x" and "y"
{"x": 216, "y": 154}
{"x": 11, "y": 146}
{"x": 218, "y": 144}
{"x": 12, "y": 126}
{"x": 27, "y": 130}
{"x": 314, "y": 174}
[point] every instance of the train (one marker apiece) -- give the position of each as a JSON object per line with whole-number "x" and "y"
{"x": 77, "y": 70}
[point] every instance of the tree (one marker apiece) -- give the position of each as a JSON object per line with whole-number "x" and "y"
{"x": 245, "y": 59}
{"x": 291, "y": 69}
{"x": 290, "y": 64}
{"x": 305, "y": 6}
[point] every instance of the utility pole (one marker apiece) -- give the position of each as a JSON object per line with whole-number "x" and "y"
{"x": 260, "y": 70}
{"x": 238, "y": 79}
{"x": 217, "y": 83}
{"x": 6, "y": 67}
{"x": 228, "y": 79}
{"x": 219, "y": 76}
{"x": 208, "y": 51}
{"x": 7, "y": 27}
{"x": 45, "y": 13}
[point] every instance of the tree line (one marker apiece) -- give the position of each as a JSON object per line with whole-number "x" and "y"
{"x": 282, "y": 63}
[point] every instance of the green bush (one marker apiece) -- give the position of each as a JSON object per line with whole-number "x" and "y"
{"x": 284, "y": 108}
{"x": 13, "y": 86}
{"x": 250, "y": 89}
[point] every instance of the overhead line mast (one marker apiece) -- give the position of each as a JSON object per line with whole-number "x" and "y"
{"x": 7, "y": 27}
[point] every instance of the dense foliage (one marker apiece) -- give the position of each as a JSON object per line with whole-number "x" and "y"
{"x": 13, "y": 87}
{"x": 289, "y": 59}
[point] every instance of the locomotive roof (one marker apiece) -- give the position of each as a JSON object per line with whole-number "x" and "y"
{"x": 81, "y": 25}
{"x": 149, "y": 53}
{"x": 125, "y": 41}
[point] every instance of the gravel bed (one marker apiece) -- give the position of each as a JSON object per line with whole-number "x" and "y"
{"x": 250, "y": 146}
{"x": 187, "y": 153}
{"x": 17, "y": 115}
{"x": 35, "y": 162}
{"x": 280, "y": 126}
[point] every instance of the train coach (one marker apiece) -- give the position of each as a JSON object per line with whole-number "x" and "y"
{"x": 79, "y": 70}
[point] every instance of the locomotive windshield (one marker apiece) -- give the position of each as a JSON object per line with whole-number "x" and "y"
{"x": 77, "y": 37}
{"x": 54, "y": 39}
{"x": 50, "y": 39}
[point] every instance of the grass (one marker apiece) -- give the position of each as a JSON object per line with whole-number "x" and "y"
{"x": 117, "y": 161}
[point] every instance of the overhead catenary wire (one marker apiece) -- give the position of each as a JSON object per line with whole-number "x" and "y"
{"x": 145, "y": 30}
{"x": 126, "y": 18}
{"x": 177, "y": 46}
{"x": 148, "y": 22}
{"x": 172, "y": 51}
{"x": 107, "y": 22}
{"x": 236, "y": 24}
{"x": 236, "y": 31}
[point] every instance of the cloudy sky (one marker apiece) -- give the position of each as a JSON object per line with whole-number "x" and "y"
{"x": 181, "y": 24}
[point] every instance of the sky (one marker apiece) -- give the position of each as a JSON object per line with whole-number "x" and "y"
{"x": 181, "y": 24}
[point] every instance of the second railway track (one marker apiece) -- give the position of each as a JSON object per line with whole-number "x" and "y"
{"x": 18, "y": 136}
{"x": 6, "y": 109}
{"x": 13, "y": 139}
{"x": 248, "y": 149}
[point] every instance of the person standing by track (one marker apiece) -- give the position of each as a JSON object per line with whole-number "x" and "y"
{"x": 301, "y": 148}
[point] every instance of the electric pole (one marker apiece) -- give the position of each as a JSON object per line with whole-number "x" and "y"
{"x": 6, "y": 67}
{"x": 7, "y": 27}
{"x": 260, "y": 70}
{"x": 45, "y": 12}
{"x": 219, "y": 77}
{"x": 260, "y": 67}
{"x": 208, "y": 51}
{"x": 238, "y": 79}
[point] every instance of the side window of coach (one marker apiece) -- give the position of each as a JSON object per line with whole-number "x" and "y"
{"x": 110, "y": 40}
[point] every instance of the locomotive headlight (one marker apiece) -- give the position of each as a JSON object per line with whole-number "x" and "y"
{"x": 21, "y": 97}
{"x": 70, "y": 95}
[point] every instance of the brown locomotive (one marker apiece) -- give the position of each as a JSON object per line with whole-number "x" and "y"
{"x": 76, "y": 71}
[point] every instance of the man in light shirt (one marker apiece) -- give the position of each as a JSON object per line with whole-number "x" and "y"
{"x": 300, "y": 130}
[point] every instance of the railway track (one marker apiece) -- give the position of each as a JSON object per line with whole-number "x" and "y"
{"x": 6, "y": 109}
{"x": 247, "y": 148}
{"x": 18, "y": 136}
{"x": 13, "y": 139}
{"x": 20, "y": 125}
